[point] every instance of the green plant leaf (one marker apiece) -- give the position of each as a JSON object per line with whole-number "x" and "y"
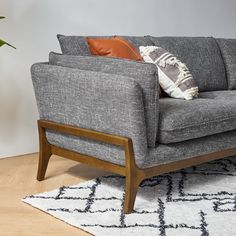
{"x": 5, "y": 43}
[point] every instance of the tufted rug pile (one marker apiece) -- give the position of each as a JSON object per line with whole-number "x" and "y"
{"x": 197, "y": 201}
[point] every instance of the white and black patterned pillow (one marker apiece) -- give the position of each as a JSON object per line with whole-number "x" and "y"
{"x": 174, "y": 76}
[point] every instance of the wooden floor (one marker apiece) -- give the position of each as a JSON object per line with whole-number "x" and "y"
{"x": 18, "y": 179}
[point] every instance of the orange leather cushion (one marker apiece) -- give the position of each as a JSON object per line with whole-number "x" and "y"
{"x": 113, "y": 47}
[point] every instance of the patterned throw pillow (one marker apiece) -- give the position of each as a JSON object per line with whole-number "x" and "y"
{"x": 174, "y": 76}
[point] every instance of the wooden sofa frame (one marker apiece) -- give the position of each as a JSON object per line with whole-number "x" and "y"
{"x": 134, "y": 175}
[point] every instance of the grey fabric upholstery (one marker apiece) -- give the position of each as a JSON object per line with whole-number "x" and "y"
{"x": 77, "y": 45}
{"x": 91, "y": 100}
{"x": 166, "y": 153}
{"x": 213, "y": 112}
{"x": 162, "y": 153}
{"x": 73, "y": 45}
{"x": 145, "y": 74}
{"x": 139, "y": 41}
{"x": 228, "y": 49}
{"x": 120, "y": 97}
{"x": 201, "y": 55}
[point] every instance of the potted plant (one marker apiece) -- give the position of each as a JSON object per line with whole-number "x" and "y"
{"x": 3, "y": 42}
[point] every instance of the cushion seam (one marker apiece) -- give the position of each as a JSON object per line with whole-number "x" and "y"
{"x": 203, "y": 123}
{"x": 156, "y": 111}
{"x": 141, "y": 70}
{"x": 224, "y": 62}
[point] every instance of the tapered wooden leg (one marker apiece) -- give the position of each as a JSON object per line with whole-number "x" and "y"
{"x": 131, "y": 189}
{"x": 133, "y": 178}
{"x": 44, "y": 153}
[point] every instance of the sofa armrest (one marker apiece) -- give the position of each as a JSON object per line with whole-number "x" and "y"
{"x": 145, "y": 74}
{"x": 103, "y": 102}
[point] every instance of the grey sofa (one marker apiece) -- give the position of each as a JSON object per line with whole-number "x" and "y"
{"x": 106, "y": 112}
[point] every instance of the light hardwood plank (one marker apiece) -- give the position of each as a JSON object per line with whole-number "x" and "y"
{"x": 18, "y": 179}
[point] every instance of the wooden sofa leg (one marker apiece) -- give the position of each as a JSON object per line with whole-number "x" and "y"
{"x": 44, "y": 153}
{"x": 131, "y": 189}
{"x": 133, "y": 178}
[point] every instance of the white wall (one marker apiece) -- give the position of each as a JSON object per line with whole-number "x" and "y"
{"x": 32, "y": 25}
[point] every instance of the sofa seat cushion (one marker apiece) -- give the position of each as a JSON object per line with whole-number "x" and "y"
{"x": 213, "y": 112}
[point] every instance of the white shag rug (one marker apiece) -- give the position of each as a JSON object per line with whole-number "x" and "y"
{"x": 197, "y": 201}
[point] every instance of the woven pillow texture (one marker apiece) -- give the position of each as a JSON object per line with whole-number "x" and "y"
{"x": 174, "y": 76}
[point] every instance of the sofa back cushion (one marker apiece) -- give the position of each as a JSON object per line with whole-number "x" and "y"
{"x": 228, "y": 50}
{"x": 143, "y": 73}
{"x": 77, "y": 45}
{"x": 201, "y": 55}
{"x": 73, "y": 45}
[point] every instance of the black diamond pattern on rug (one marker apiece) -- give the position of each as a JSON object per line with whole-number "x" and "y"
{"x": 200, "y": 200}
